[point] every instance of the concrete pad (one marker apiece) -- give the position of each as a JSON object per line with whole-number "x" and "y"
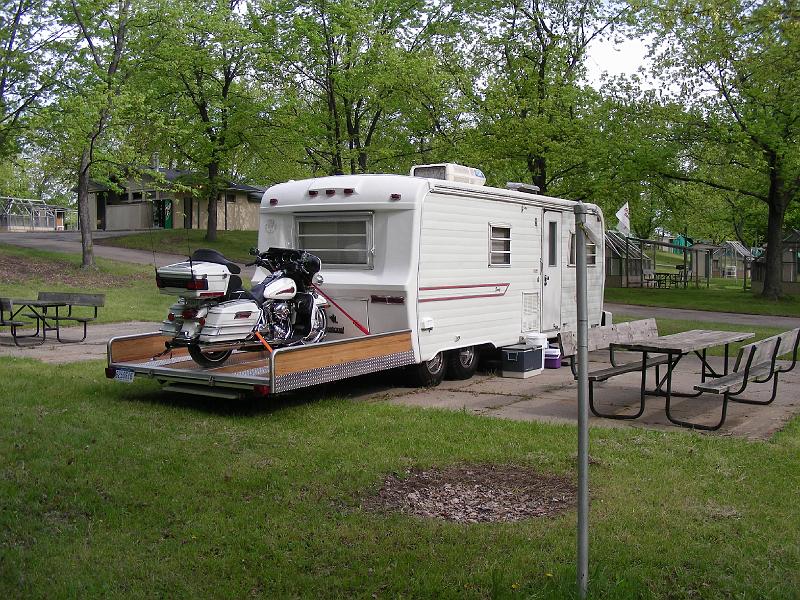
{"x": 455, "y": 400}
{"x": 92, "y": 348}
{"x": 552, "y": 397}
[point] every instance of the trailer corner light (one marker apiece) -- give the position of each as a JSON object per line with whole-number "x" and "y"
{"x": 111, "y": 372}
{"x": 273, "y": 201}
{"x": 394, "y": 197}
{"x": 312, "y": 192}
{"x": 171, "y": 317}
{"x": 261, "y": 390}
{"x": 330, "y": 192}
{"x": 349, "y": 191}
{"x": 201, "y": 321}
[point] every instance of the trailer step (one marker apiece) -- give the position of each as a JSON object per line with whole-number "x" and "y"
{"x": 202, "y": 390}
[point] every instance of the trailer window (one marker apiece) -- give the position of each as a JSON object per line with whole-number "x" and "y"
{"x": 591, "y": 252}
{"x": 337, "y": 239}
{"x": 499, "y": 245}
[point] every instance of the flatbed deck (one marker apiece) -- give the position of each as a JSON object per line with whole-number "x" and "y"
{"x": 262, "y": 373}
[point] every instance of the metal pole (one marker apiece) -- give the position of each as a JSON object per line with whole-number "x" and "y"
{"x": 583, "y": 393}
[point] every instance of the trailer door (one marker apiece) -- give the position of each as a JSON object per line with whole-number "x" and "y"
{"x": 551, "y": 271}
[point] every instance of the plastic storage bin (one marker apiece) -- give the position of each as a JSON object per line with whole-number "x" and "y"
{"x": 552, "y": 358}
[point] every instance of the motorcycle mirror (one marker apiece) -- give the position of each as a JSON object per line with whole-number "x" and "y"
{"x": 318, "y": 279}
{"x": 253, "y": 251}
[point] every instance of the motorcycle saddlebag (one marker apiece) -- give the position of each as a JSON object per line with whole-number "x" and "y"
{"x": 230, "y": 321}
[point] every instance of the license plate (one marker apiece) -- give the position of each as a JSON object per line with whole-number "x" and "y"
{"x": 124, "y": 375}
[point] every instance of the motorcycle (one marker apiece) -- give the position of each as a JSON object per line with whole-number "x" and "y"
{"x": 215, "y": 315}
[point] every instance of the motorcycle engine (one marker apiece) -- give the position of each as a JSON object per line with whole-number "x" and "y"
{"x": 280, "y": 320}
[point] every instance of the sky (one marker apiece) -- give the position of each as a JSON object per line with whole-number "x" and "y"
{"x": 606, "y": 56}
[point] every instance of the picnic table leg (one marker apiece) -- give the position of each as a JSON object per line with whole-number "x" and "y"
{"x": 14, "y": 334}
{"x": 642, "y": 393}
{"x": 687, "y": 424}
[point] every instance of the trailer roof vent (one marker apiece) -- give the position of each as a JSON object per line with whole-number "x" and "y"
{"x": 528, "y": 188}
{"x": 449, "y": 172}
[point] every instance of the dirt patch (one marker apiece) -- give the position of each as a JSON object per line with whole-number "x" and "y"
{"x": 20, "y": 269}
{"x": 475, "y": 494}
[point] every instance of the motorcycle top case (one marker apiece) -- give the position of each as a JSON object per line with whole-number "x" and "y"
{"x": 209, "y": 279}
{"x": 230, "y": 321}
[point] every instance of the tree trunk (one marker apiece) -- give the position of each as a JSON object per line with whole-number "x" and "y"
{"x": 84, "y": 212}
{"x": 213, "y": 194}
{"x": 773, "y": 277}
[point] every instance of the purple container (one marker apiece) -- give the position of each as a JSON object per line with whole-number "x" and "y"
{"x": 552, "y": 358}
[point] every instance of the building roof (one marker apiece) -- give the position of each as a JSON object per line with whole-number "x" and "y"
{"x": 616, "y": 242}
{"x": 254, "y": 192}
{"x": 737, "y": 247}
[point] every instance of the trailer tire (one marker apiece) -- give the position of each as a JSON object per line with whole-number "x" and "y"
{"x": 428, "y": 373}
{"x": 462, "y": 363}
{"x": 206, "y": 358}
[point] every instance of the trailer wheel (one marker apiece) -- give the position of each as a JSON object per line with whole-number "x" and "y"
{"x": 429, "y": 373}
{"x": 462, "y": 363}
{"x": 207, "y": 358}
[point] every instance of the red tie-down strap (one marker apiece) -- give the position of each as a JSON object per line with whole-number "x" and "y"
{"x": 363, "y": 329}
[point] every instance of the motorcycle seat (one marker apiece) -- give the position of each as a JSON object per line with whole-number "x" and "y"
{"x": 213, "y": 256}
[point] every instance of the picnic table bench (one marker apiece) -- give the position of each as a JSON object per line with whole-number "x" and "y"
{"x": 757, "y": 363}
{"x": 7, "y": 319}
{"x": 601, "y": 338}
{"x": 72, "y": 300}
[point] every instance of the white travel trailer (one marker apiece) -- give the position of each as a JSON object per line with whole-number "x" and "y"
{"x": 425, "y": 272}
{"x": 462, "y": 265}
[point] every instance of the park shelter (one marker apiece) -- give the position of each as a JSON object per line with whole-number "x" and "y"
{"x": 635, "y": 262}
{"x": 732, "y": 259}
{"x": 790, "y": 267}
{"x": 169, "y": 201}
{"x": 30, "y": 214}
{"x": 625, "y": 261}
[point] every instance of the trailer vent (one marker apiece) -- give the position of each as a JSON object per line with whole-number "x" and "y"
{"x": 449, "y": 172}
{"x": 530, "y": 312}
{"x": 528, "y": 188}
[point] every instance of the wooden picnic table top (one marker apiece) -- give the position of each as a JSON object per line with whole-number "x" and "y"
{"x": 684, "y": 342}
{"x": 37, "y": 303}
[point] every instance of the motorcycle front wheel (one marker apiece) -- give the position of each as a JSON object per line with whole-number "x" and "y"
{"x": 208, "y": 358}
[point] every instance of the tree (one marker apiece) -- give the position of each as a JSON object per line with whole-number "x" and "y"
{"x": 737, "y": 64}
{"x": 90, "y": 98}
{"x": 32, "y": 54}
{"x": 535, "y": 117}
{"x": 203, "y": 53}
{"x": 360, "y": 80}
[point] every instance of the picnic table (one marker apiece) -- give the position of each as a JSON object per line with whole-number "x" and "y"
{"x": 38, "y": 311}
{"x": 675, "y": 347}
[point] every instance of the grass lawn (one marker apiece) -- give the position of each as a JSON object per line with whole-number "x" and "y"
{"x": 233, "y": 244}
{"x": 108, "y": 490}
{"x": 131, "y": 292}
{"x": 724, "y": 295}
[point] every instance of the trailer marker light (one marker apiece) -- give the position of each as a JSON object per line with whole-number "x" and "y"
{"x": 111, "y": 372}
{"x": 201, "y": 321}
{"x": 244, "y": 314}
{"x": 211, "y": 294}
{"x": 261, "y": 390}
{"x": 349, "y": 191}
{"x": 273, "y": 201}
{"x": 171, "y": 317}
{"x": 394, "y": 197}
{"x": 312, "y": 192}
{"x": 330, "y": 192}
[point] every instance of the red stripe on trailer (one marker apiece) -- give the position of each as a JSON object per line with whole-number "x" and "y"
{"x": 458, "y": 287}
{"x": 462, "y": 297}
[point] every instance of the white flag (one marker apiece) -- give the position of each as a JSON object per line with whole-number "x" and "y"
{"x": 624, "y": 216}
